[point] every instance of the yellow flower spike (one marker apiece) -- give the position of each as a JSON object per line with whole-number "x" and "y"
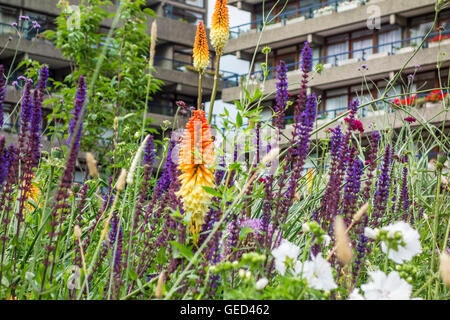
{"x": 309, "y": 178}
{"x": 201, "y": 50}
{"x": 220, "y": 30}
{"x": 196, "y": 155}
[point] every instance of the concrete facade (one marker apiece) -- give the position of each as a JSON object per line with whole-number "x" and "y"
{"x": 178, "y": 81}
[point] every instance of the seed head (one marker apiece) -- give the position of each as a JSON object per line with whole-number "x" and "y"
{"x": 343, "y": 250}
{"x": 92, "y": 165}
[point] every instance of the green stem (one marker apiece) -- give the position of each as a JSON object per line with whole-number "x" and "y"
{"x": 435, "y": 230}
{"x": 213, "y": 94}
{"x": 386, "y": 261}
{"x": 199, "y": 99}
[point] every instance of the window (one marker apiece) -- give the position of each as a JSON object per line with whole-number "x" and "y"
{"x": 336, "y": 102}
{"x": 364, "y": 96}
{"x": 386, "y": 39}
{"x": 337, "y": 48}
{"x": 45, "y": 22}
{"x": 419, "y": 28}
{"x": 183, "y": 54}
{"x": 360, "y": 46}
{"x": 7, "y": 121}
{"x": 195, "y": 3}
{"x": 7, "y": 16}
{"x": 290, "y": 11}
{"x": 424, "y": 81}
{"x": 337, "y": 52}
{"x": 289, "y": 59}
{"x": 183, "y": 15}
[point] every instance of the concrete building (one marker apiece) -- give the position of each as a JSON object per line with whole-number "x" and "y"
{"x": 350, "y": 38}
{"x": 176, "y": 32}
{"x": 176, "y": 22}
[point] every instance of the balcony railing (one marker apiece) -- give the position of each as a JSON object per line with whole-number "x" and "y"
{"x": 27, "y": 34}
{"x": 313, "y": 11}
{"x": 390, "y": 48}
{"x": 167, "y": 63}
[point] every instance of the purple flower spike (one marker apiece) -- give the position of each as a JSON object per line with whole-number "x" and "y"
{"x": 306, "y": 58}
{"x": 2, "y": 93}
{"x": 149, "y": 152}
{"x": 352, "y": 189}
{"x": 404, "y": 203}
{"x": 62, "y": 205}
{"x": 382, "y": 192}
{"x": 281, "y": 96}
{"x": 306, "y": 65}
{"x": 4, "y": 164}
{"x": 36, "y": 116}
{"x": 14, "y": 24}
{"x": 76, "y": 112}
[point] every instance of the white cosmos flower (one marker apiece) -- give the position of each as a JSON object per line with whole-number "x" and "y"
{"x": 326, "y": 240}
{"x": 410, "y": 237}
{"x": 371, "y": 233}
{"x": 261, "y": 283}
{"x": 285, "y": 250}
{"x": 384, "y": 287}
{"x": 355, "y": 295}
{"x": 318, "y": 273}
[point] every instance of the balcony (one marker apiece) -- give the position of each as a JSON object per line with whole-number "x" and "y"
{"x": 408, "y": 45}
{"x": 293, "y": 16}
{"x": 318, "y": 21}
{"x": 386, "y": 117}
{"x": 337, "y": 69}
{"x": 183, "y": 74}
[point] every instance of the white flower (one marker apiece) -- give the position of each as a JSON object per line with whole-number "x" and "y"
{"x": 306, "y": 228}
{"x": 261, "y": 283}
{"x": 285, "y": 250}
{"x": 371, "y": 233}
{"x": 382, "y": 287}
{"x": 326, "y": 239}
{"x": 318, "y": 273}
{"x": 410, "y": 237}
{"x": 355, "y": 295}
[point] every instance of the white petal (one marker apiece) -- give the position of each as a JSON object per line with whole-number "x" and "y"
{"x": 371, "y": 233}
{"x": 355, "y": 295}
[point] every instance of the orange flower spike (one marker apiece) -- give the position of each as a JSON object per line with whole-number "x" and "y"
{"x": 220, "y": 29}
{"x": 309, "y": 178}
{"x": 196, "y": 155}
{"x": 201, "y": 50}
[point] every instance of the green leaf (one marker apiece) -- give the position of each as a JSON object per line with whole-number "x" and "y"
{"x": 133, "y": 275}
{"x": 161, "y": 257}
{"x": 183, "y": 250}
{"x": 243, "y": 233}
{"x": 238, "y": 105}
{"x": 239, "y": 120}
{"x": 212, "y": 191}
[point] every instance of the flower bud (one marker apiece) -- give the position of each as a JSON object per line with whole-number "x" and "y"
{"x": 77, "y": 232}
{"x": 261, "y": 283}
{"x": 122, "y": 180}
